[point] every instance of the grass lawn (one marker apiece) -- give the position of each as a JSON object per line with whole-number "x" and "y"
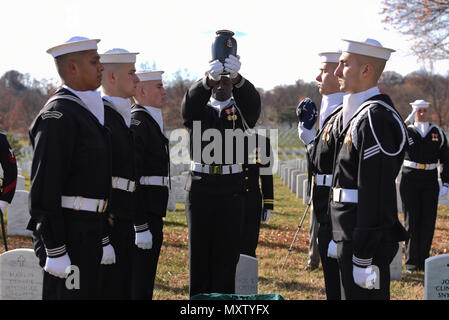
{"x": 293, "y": 282}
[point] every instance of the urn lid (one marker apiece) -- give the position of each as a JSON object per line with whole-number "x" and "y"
{"x": 225, "y": 31}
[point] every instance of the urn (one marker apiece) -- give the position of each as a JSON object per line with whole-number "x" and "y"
{"x": 223, "y": 45}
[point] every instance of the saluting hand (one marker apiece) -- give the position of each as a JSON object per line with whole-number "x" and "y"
{"x": 307, "y": 113}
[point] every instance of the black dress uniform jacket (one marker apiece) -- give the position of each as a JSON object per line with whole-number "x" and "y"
{"x": 122, "y": 203}
{"x": 369, "y": 155}
{"x": 123, "y": 213}
{"x": 321, "y": 152}
{"x": 214, "y": 202}
{"x": 361, "y": 164}
{"x": 242, "y": 113}
{"x": 153, "y": 159}
{"x": 72, "y": 157}
{"x": 419, "y": 191}
{"x": 432, "y": 148}
{"x": 259, "y": 193}
{"x": 9, "y": 166}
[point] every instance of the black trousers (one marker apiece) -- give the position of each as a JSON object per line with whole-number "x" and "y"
{"x": 420, "y": 205}
{"x": 83, "y": 244}
{"x": 382, "y": 259}
{"x": 117, "y": 277}
{"x": 251, "y": 222}
{"x": 330, "y": 265}
{"x": 145, "y": 262}
{"x": 214, "y": 222}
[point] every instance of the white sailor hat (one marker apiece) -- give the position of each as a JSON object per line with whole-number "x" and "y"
{"x": 330, "y": 56}
{"x": 74, "y": 44}
{"x": 369, "y": 47}
{"x": 420, "y": 104}
{"x": 118, "y": 55}
{"x": 147, "y": 75}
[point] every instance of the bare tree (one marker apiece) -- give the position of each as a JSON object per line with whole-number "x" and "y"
{"x": 426, "y": 22}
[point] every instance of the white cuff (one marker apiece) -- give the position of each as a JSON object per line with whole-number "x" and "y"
{"x": 306, "y": 135}
{"x": 362, "y": 262}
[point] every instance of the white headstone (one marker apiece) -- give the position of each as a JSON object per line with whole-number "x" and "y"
{"x": 18, "y": 215}
{"x": 246, "y": 275}
{"x": 20, "y": 183}
{"x": 171, "y": 204}
{"x": 396, "y": 265}
{"x": 178, "y": 188}
{"x": 21, "y": 276}
{"x": 293, "y": 176}
{"x": 305, "y": 196}
{"x": 300, "y": 184}
{"x": 436, "y": 278}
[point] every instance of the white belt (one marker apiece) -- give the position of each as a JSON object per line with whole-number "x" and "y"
{"x": 154, "y": 181}
{"x": 344, "y": 195}
{"x": 84, "y": 204}
{"x": 216, "y": 169}
{"x": 323, "y": 180}
{"x": 421, "y": 166}
{"x": 123, "y": 184}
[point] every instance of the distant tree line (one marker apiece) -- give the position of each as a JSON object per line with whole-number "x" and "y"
{"x": 22, "y": 98}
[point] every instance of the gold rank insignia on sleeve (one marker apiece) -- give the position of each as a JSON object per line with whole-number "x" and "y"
{"x": 51, "y": 114}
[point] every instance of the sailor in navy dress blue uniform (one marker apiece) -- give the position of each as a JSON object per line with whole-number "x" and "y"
{"x": 259, "y": 193}
{"x": 153, "y": 171}
{"x": 216, "y": 185}
{"x": 419, "y": 185}
{"x": 320, "y": 151}
{"x": 71, "y": 177}
{"x": 119, "y": 85}
{"x": 9, "y": 166}
{"x": 370, "y": 143}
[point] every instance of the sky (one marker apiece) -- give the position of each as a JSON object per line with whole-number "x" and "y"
{"x": 278, "y": 41}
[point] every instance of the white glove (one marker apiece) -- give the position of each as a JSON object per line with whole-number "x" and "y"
{"x": 265, "y": 215}
{"x": 411, "y": 117}
{"x": 443, "y": 191}
{"x": 58, "y": 267}
{"x": 144, "y": 240}
{"x": 305, "y": 135}
{"x": 3, "y": 206}
{"x": 232, "y": 65}
{"x": 332, "y": 250}
{"x": 364, "y": 277}
{"x": 108, "y": 255}
{"x": 215, "y": 70}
